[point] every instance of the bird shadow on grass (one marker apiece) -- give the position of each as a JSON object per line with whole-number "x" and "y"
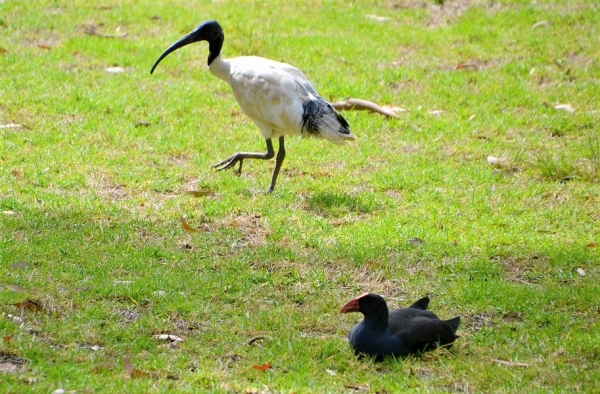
{"x": 339, "y": 204}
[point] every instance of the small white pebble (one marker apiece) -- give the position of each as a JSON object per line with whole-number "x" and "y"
{"x": 168, "y": 337}
{"x": 330, "y": 372}
{"x": 114, "y": 70}
{"x": 496, "y": 160}
{"x": 10, "y": 126}
{"x": 378, "y": 18}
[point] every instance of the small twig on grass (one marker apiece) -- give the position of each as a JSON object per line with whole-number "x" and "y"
{"x": 257, "y": 338}
{"x": 510, "y": 363}
{"x": 358, "y": 104}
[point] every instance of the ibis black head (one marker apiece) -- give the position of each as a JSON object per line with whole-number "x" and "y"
{"x": 209, "y": 31}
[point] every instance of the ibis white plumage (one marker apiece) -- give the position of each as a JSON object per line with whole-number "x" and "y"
{"x": 276, "y": 96}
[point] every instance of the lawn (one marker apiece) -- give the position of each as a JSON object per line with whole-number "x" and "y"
{"x": 484, "y": 194}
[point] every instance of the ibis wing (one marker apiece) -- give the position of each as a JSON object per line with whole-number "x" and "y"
{"x": 269, "y": 94}
{"x": 298, "y": 76}
{"x": 290, "y": 70}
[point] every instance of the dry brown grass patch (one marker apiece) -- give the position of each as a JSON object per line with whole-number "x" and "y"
{"x": 524, "y": 270}
{"x": 106, "y": 188}
{"x": 253, "y": 228}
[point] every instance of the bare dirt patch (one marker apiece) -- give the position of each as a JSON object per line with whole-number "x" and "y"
{"x": 524, "y": 270}
{"x": 254, "y": 229}
{"x": 106, "y": 188}
{"x": 442, "y": 14}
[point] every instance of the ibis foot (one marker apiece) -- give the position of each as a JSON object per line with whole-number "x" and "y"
{"x": 240, "y": 156}
{"x": 230, "y": 162}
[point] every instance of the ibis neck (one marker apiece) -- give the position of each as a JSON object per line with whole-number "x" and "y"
{"x": 220, "y": 68}
{"x": 214, "y": 47}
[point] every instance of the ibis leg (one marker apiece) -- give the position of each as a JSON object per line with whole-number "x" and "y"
{"x": 240, "y": 156}
{"x": 278, "y": 162}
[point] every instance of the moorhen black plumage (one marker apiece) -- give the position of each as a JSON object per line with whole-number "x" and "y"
{"x": 399, "y": 332}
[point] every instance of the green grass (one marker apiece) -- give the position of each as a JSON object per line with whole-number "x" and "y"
{"x": 93, "y": 185}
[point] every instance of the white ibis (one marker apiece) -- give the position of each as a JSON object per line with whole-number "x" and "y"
{"x": 276, "y": 96}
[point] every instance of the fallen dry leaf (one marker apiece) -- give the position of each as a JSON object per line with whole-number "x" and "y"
{"x": 467, "y": 66}
{"x": 257, "y": 338}
{"x": 168, "y": 337}
{"x": 186, "y": 226}
{"x": 541, "y": 24}
{"x": 592, "y": 245}
{"x": 263, "y": 367}
{"x": 44, "y": 46}
{"x": 29, "y": 305}
{"x": 496, "y": 160}
{"x": 483, "y": 137}
{"x": 415, "y": 241}
{"x": 142, "y": 123}
{"x": 7, "y": 338}
{"x": 8, "y": 368}
{"x": 199, "y": 193}
{"x": 14, "y": 318}
{"x": 3, "y": 50}
{"x": 565, "y": 107}
{"x": 16, "y": 288}
{"x": 377, "y": 18}
{"x": 12, "y": 358}
{"x": 20, "y": 264}
{"x": 92, "y": 30}
{"x": 107, "y": 366}
{"x": 330, "y": 372}
{"x": 130, "y": 370}
{"x": 357, "y": 388}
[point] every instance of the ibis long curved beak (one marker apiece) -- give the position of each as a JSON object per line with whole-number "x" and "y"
{"x": 188, "y": 39}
